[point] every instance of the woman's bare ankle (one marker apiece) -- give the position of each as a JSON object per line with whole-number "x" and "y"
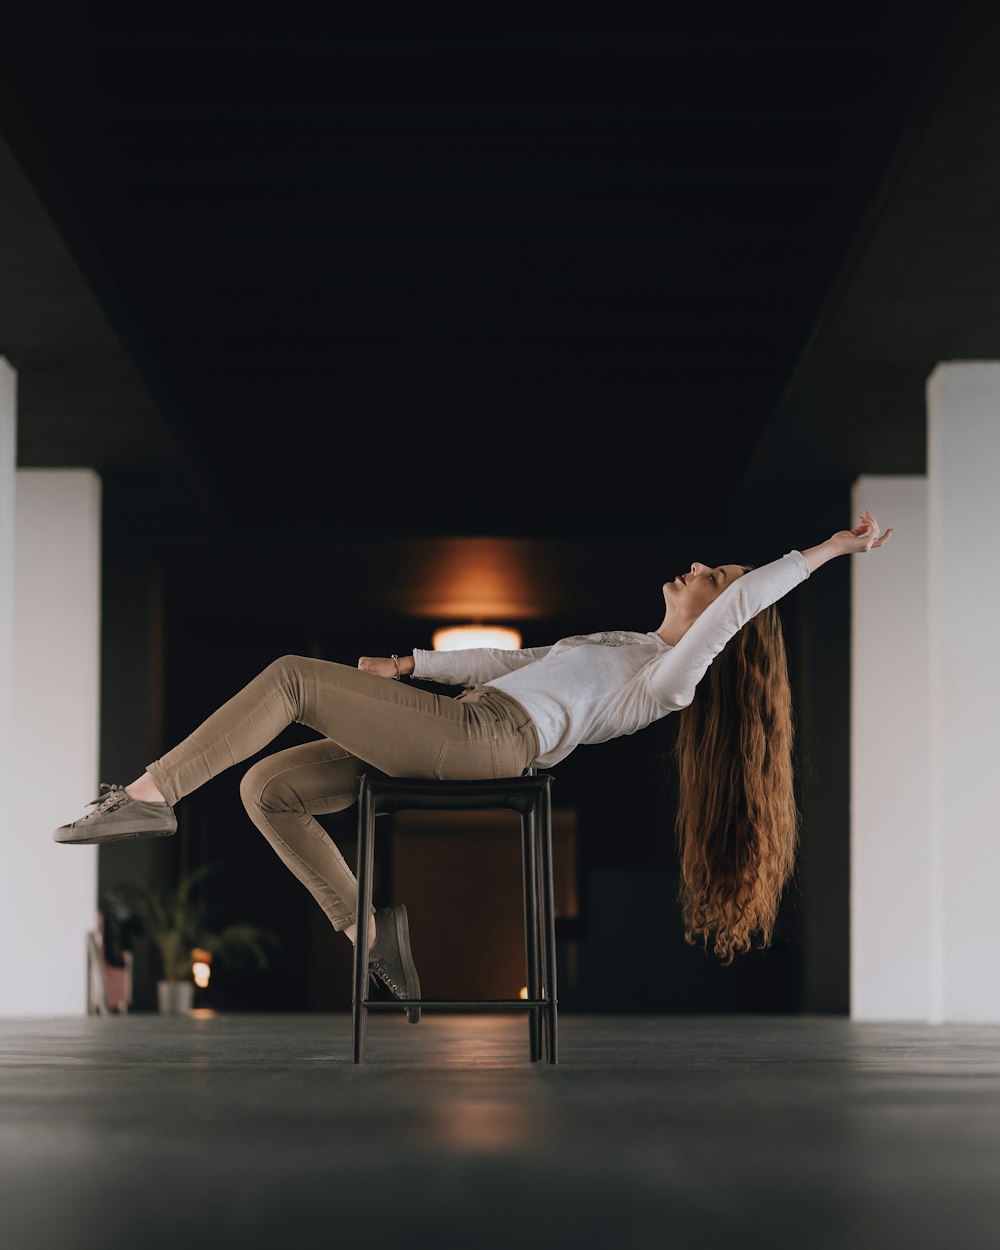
{"x": 144, "y": 790}
{"x": 351, "y": 931}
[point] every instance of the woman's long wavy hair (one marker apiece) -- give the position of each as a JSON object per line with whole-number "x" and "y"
{"x": 737, "y": 819}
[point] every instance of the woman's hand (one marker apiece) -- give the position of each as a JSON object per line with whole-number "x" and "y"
{"x": 863, "y": 537}
{"x": 391, "y": 666}
{"x": 382, "y": 666}
{"x": 846, "y": 542}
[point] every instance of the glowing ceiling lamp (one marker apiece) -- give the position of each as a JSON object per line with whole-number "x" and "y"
{"x": 458, "y": 637}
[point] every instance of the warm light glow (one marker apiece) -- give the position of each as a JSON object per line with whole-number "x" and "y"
{"x": 523, "y": 992}
{"x": 201, "y": 967}
{"x": 458, "y": 637}
{"x": 463, "y": 1124}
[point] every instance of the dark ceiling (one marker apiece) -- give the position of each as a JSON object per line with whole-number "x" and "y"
{"x": 523, "y": 286}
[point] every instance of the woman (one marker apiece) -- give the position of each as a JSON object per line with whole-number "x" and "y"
{"x": 737, "y": 823}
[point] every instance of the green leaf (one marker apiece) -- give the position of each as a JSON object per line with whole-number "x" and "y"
{"x": 175, "y": 923}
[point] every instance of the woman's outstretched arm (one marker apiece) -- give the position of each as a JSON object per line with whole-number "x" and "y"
{"x": 862, "y": 538}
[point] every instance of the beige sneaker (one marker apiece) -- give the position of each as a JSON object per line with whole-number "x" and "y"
{"x": 117, "y": 815}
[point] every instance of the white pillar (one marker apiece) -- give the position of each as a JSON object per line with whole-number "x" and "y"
{"x": 8, "y": 464}
{"x": 892, "y": 889}
{"x": 49, "y": 891}
{"x": 963, "y": 469}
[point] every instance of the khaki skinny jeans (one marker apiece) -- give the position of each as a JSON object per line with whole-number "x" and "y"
{"x": 402, "y": 730}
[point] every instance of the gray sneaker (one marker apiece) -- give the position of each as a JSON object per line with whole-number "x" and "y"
{"x": 117, "y": 815}
{"x": 390, "y": 959}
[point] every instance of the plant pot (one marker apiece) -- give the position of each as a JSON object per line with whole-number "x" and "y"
{"x": 175, "y": 998}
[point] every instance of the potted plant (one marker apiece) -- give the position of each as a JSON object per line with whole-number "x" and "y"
{"x": 176, "y": 923}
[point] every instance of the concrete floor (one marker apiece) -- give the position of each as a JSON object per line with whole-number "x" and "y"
{"x": 144, "y": 1132}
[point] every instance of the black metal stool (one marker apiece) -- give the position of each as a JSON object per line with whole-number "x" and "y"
{"x": 528, "y": 795}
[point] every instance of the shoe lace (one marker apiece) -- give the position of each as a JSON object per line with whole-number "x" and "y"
{"x": 111, "y": 796}
{"x": 383, "y": 975}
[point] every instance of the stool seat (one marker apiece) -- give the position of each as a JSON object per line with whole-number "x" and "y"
{"x": 528, "y": 795}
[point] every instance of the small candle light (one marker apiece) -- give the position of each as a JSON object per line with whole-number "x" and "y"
{"x": 201, "y": 967}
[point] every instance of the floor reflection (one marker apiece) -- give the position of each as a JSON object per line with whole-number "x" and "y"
{"x": 484, "y": 1125}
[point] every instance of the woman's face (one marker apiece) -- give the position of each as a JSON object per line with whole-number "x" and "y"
{"x": 693, "y": 591}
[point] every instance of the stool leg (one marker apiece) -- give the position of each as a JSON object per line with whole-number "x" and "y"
{"x": 366, "y": 860}
{"x": 532, "y": 933}
{"x": 542, "y": 922}
{"x": 548, "y": 923}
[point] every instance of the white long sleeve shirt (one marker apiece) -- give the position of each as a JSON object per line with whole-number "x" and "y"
{"x": 594, "y": 687}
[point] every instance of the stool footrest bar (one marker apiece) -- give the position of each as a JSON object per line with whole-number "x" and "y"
{"x": 459, "y": 1004}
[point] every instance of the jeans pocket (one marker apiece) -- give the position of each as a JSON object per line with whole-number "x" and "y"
{"x": 468, "y": 761}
